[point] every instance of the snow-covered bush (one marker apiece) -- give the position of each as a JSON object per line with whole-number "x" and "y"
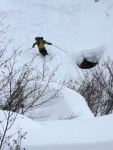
{"x": 96, "y": 86}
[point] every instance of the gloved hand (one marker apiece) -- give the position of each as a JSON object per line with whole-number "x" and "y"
{"x": 33, "y": 46}
{"x": 50, "y": 43}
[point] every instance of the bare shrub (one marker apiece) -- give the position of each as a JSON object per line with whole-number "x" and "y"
{"x": 70, "y": 117}
{"x": 22, "y": 89}
{"x": 14, "y": 140}
{"x": 96, "y": 86}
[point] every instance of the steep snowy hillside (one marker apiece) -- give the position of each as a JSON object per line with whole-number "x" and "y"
{"x": 74, "y": 26}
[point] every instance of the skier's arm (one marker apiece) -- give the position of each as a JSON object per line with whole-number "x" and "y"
{"x": 34, "y": 44}
{"x": 48, "y": 43}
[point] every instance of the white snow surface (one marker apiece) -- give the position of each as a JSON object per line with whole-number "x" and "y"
{"x": 93, "y": 133}
{"x": 82, "y": 28}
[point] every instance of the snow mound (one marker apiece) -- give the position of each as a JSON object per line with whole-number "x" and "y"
{"x": 68, "y": 105}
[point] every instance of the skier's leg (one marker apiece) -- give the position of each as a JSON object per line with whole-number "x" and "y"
{"x": 40, "y": 51}
{"x": 45, "y": 51}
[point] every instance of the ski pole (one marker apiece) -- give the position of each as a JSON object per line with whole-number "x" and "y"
{"x": 28, "y": 49}
{"x": 59, "y": 48}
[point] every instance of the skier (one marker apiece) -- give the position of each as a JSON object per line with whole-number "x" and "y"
{"x": 40, "y": 43}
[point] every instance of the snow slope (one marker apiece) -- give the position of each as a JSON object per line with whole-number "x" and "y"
{"x": 80, "y": 134}
{"x": 83, "y": 29}
{"x": 74, "y": 26}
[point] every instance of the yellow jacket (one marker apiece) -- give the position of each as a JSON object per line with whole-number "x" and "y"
{"x": 41, "y": 44}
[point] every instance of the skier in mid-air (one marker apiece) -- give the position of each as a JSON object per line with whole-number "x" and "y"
{"x": 40, "y": 42}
